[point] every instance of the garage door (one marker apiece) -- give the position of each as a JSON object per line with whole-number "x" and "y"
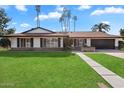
{"x": 103, "y": 43}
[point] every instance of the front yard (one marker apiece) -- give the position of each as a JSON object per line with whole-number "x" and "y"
{"x": 115, "y": 64}
{"x": 46, "y": 69}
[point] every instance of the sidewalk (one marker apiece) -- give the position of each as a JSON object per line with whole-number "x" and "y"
{"x": 113, "y": 79}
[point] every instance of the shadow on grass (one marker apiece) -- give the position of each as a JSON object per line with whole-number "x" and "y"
{"x": 34, "y": 54}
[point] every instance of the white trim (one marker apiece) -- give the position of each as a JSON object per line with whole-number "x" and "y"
{"x": 88, "y": 42}
{"x": 61, "y": 42}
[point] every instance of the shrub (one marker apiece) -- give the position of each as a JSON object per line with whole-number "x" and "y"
{"x": 121, "y": 44}
{"x": 67, "y": 43}
{"x": 5, "y": 43}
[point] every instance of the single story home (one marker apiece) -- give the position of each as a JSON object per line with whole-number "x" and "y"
{"x": 41, "y": 39}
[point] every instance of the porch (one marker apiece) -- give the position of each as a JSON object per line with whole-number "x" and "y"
{"x": 36, "y": 42}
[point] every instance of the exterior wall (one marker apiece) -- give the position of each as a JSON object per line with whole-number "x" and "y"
{"x": 61, "y": 43}
{"x": 36, "y": 43}
{"x": 13, "y": 42}
{"x": 39, "y": 31}
{"x": 117, "y": 42}
{"x": 88, "y": 42}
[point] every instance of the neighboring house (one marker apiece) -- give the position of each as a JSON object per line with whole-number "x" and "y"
{"x": 41, "y": 39}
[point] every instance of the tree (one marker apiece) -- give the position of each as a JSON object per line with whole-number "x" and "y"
{"x": 67, "y": 43}
{"x": 4, "y": 30}
{"x": 69, "y": 17}
{"x": 4, "y": 19}
{"x": 11, "y": 31}
{"x": 74, "y": 19}
{"x": 37, "y": 7}
{"x": 122, "y": 32}
{"x": 101, "y": 27}
{"x": 4, "y": 42}
{"x": 65, "y": 19}
{"x": 61, "y": 22}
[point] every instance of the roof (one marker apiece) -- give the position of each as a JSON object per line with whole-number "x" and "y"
{"x": 36, "y": 29}
{"x": 38, "y": 35}
{"x": 91, "y": 35}
{"x": 42, "y": 32}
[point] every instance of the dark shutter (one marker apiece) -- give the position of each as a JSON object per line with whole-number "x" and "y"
{"x": 41, "y": 42}
{"x": 74, "y": 42}
{"x": 17, "y": 42}
{"x": 59, "y": 41}
{"x": 31, "y": 42}
{"x": 21, "y": 42}
{"x": 24, "y": 43}
{"x": 44, "y": 42}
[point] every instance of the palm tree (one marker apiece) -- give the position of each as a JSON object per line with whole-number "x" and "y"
{"x": 122, "y": 32}
{"x": 101, "y": 27}
{"x": 69, "y": 17}
{"x": 61, "y": 22}
{"x": 65, "y": 16}
{"x": 37, "y": 7}
{"x": 75, "y": 19}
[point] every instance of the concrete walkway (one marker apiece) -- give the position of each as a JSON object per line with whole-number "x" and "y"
{"x": 113, "y": 79}
{"x": 120, "y": 55}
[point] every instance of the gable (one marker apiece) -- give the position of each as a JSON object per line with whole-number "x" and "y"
{"x": 38, "y": 30}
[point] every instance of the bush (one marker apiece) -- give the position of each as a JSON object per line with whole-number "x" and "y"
{"x": 121, "y": 44}
{"x": 5, "y": 43}
{"x": 67, "y": 43}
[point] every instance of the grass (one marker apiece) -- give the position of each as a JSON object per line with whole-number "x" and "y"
{"x": 115, "y": 64}
{"x": 122, "y": 49}
{"x": 46, "y": 70}
{"x": 4, "y": 49}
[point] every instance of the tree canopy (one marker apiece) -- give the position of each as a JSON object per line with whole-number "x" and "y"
{"x": 4, "y": 30}
{"x": 101, "y": 27}
{"x": 122, "y": 32}
{"x": 4, "y": 20}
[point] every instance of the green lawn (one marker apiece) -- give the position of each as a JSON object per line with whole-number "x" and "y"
{"x": 46, "y": 69}
{"x": 113, "y": 63}
{"x": 122, "y": 49}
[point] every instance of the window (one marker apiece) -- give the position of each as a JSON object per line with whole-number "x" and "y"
{"x": 43, "y": 42}
{"x": 49, "y": 42}
{"x": 82, "y": 42}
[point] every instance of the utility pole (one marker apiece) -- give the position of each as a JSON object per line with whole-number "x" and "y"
{"x": 37, "y": 7}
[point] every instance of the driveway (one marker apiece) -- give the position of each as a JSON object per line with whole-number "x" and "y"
{"x": 120, "y": 55}
{"x": 109, "y": 50}
{"x": 113, "y": 52}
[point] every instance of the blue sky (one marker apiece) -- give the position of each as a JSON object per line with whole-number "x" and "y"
{"x": 23, "y": 17}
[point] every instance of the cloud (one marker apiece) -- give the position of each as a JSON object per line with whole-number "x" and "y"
{"x": 4, "y": 6}
{"x": 108, "y": 10}
{"x": 106, "y": 22}
{"x": 14, "y": 23}
{"x": 50, "y": 15}
{"x": 83, "y": 7}
{"x": 25, "y": 25}
{"x": 21, "y": 8}
{"x": 59, "y": 8}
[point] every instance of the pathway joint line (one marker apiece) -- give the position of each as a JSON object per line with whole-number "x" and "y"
{"x": 113, "y": 79}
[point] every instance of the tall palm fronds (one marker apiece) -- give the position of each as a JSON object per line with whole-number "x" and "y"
{"x": 101, "y": 27}
{"x": 65, "y": 19}
{"x": 74, "y": 19}
{"x": 61, "y": 19}
{"x": 37, "y": 7}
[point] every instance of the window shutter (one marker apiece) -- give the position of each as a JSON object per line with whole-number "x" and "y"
{"x": 17, "y": 42}
{"x": 59, "y": 41}
{"x": 41, "y": 42}
{"x": 32, "y": 42}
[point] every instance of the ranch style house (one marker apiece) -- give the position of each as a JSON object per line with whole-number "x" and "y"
{"x": 43, "y": 39}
